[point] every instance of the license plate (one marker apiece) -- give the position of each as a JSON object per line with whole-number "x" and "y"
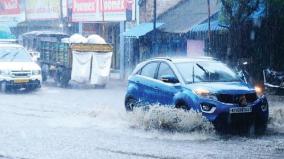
{"x": 21, "y": 81}
{"x": 241, "y": 110}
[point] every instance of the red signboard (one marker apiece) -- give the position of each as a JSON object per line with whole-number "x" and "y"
{"x": 9, "y": 7}
{"x": 84, "y": 6}
{"x": 102, "y": 10}
{"x": 112, "y": 6}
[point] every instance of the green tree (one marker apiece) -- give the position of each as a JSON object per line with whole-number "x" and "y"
{"x": 272, "y": 38}
{"x": 235, "y": 14}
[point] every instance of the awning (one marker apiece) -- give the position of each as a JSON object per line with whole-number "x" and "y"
{"x": 5, "y": 28}
{"x": 8, "y": 24}
{"x": 141, "y": 30}
{"x": 5, "y": 35}
{"x": 214, "y": 26}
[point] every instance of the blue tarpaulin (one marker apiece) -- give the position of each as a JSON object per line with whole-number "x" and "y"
{"x": 141, "y": 30}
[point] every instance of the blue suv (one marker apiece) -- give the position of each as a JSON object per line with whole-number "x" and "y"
{"x": 202, "y": 84}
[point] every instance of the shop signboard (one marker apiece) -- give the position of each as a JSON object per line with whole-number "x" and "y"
{"x": 42, "y": 10}
{"x": 102, "y": 10}
{"x": 84, "y": 10}
{"x": 8, "y": 7}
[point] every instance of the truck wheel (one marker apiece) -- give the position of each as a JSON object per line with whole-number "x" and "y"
{"x": 44, "y": 76}
{"x": 44, "y": 70}
{"x": 64, "y": 83}
{"x": 62, "y": 76}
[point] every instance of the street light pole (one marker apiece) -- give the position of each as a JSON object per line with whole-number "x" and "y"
{"x": 209, "y": 28}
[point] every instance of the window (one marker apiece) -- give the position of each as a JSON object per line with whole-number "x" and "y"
{"x": 206, "y": 72}
{"x": 165, "y": 70}
{"x": 186, "y": 70}
{"x": 149, "y": 70}
{"x": 213, "y": 72}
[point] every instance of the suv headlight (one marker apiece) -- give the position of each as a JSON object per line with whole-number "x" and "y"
{"x": 4, "y": 72}
{"x": 205, "y": 94}
{"x": 36, "y": 72}
{"x": 259, "y": 91}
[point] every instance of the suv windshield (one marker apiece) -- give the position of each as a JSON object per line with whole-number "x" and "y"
{"x": 14, "y": 54}
{"x": 206, "y": 72}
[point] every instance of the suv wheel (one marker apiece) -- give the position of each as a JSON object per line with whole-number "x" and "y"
{"x": 260, "y": 128}
{"x": 182, "y": 105}
{"x": 130, "y": 103}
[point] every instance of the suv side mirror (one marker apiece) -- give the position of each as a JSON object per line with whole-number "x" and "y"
{"x": 169, "y": 79}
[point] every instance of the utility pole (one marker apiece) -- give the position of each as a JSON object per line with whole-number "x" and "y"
{"x": 155, "y": 15}
{"x": 137, "y": 12}
{"x": 103, "y": 23}
{"x": 61, "y": 25}
{"x": 154, "y": 50}
{"x": 209, "y": 28}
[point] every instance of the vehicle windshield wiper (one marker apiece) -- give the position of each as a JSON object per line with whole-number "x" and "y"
{"x": 203, "y": 69}
{"x": 188, "y": 82}
{"x": 3, "y": 56}
{"x": 234, "y": 80}
{"x": 14, "y": 56}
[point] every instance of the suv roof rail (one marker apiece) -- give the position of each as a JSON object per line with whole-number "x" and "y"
{"x": 196, "y": 58}
{"x": 206, "y": 57}
{"x": 162, "y": 58}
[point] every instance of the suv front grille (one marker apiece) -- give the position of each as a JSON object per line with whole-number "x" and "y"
{"x": 235, "y": 99}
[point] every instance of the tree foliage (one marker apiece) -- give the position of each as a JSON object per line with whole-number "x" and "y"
{"x": 273, "y": 33}
{"x": 237, "y": 12}
{"x": 267, "y": 47}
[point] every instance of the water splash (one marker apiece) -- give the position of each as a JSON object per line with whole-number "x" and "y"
{"x": 276, "y": 120}
{"x": 170, "y": 119}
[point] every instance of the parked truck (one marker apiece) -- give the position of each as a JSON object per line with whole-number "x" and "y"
{"x": 62, "y": 60}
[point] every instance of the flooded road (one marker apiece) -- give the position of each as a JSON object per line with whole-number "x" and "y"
{"x": 85, "y": 123}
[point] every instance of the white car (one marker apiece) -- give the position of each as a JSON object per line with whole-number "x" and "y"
{"x": 17, "y": 68}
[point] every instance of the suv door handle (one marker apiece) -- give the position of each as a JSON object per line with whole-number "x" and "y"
{"x": 156, "y": 88}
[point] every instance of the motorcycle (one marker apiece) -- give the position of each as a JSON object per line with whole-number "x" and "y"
{"x": 242, "y": 72}
{"x": 273, "y": 80}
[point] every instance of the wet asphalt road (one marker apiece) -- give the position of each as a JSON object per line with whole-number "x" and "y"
{"x": 57, "y": 123}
